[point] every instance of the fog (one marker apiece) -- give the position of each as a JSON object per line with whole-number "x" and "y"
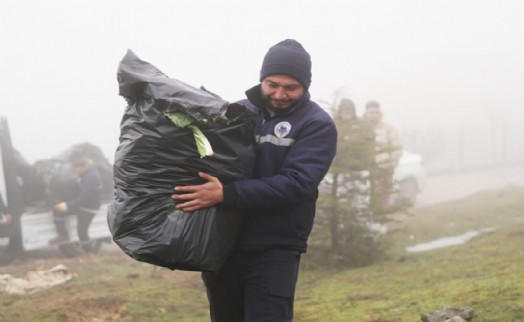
{"x": 446, "y": 72}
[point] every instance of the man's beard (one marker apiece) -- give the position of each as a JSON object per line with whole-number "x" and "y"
{"x": 278, "y": 106}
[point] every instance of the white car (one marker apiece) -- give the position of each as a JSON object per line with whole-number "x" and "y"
{"x": 410, "y": 176}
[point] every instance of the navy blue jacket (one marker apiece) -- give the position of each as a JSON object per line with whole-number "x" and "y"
{"x": 90, "y": 194}
{"x": 294, "y": 151}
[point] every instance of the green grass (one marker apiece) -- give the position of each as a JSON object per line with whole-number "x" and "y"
{"x": 486, "y": 274}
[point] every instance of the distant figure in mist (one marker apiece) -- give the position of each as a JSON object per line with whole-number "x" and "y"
{"x": 355, "y": 155}
{"x": 388, "y": 150}
{"x": 84, "y": 204}
{"x": 355, "y": 139}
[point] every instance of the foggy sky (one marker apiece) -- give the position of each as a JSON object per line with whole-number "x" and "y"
{"x": 432, "y": 63}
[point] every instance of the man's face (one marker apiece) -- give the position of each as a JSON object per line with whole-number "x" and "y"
{"x": 373, "y": 115}
{"x": 80, "y": 169}
{"x": 281, "y": 90}
{"x": 347, "y": 115}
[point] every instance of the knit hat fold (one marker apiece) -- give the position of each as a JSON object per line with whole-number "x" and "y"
{"x": 288, "y": 57}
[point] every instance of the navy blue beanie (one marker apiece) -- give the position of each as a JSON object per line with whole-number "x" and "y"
{"x": 288, "y": 57}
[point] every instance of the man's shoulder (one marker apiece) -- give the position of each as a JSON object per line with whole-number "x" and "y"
{"x": 315, "y": 111}
{"x": 92, "y": 174}
{"x": 247, "y": 103}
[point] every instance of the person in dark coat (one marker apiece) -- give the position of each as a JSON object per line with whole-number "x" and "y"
{"x": 5, "y": 216}
{"x": 296, "y": 143}
{"x": 84, "y": 204}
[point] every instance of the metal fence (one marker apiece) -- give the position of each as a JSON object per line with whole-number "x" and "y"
{"x": 467, "y": 146}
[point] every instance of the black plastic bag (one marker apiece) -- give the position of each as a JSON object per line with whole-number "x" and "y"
{"x": 154, "y": 155}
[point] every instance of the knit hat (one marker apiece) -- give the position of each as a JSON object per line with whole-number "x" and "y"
{"x": 288, "y": 57}
{"x": 371, "y": 104}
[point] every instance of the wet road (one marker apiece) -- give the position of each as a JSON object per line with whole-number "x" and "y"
{"x": 459, "y": 185}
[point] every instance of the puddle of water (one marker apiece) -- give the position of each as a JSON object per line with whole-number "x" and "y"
{"x": 447, "y": 241}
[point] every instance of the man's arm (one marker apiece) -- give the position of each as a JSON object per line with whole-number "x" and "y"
{"x": 305, "y": 166}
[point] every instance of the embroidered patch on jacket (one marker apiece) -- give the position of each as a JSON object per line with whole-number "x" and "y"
{"x": 282, "y": 129}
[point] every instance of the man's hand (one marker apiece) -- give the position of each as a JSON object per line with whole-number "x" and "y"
{"x": 61, "y": 206}
{"x": 192, "y": 198}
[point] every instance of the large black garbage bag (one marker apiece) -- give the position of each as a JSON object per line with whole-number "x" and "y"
{"x": 154, "y": 155}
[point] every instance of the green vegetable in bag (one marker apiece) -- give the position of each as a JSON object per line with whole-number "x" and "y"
{"x": 185, "y": 121}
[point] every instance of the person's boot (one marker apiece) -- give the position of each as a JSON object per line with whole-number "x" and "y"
{"x": 59, "y": 240}
{"x": 87, "y": 246}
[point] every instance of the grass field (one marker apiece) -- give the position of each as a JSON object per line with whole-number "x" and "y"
{"x": 486, "y": 274}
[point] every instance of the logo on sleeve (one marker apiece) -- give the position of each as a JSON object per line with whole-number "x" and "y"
{"x": 282, "y": 129}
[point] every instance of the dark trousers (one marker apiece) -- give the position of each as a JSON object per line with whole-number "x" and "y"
{"x": 254, "y": 286}
{"x": 83, "y": 218}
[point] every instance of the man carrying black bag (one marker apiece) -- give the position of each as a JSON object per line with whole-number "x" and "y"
{"x": 296, "y": 143}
